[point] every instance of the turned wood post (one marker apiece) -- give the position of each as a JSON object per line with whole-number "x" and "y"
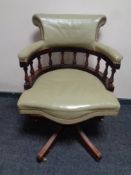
{"x": 111, "y": 79}
{"x": 98, "y": 64}
{"x": 50, "y": 60}
{"x": 39, "y": 63}
{"x": 105, "y": 72}
{"x": 27, "y": 81}
{"x": 87, "y": 61}
{"x": 62, "y": 57}
{"x": 31, "y": 69}
{"x": 74, "y": 58}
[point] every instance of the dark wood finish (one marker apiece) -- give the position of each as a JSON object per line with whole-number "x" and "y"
{"x": 91, "y": 148}
{"x": 111, "y": 80}
{"x": 44, "y": 150}
{"x": 27, "y": 79}
{"x": 50, "y": 60}
{"x": 105, "y": 72}
{"x": 98, "y": 64}
{"x": 62, "y": 58}
{"x": 86, "y": 61}
{"x": 39, "y": 63}
{"x": 88, "y": 144}
{"x": 74, "y": 58}
{"x": 31, "y": 69}
{"x": 103, "y": 76}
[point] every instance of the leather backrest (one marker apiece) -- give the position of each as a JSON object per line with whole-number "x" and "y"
{"x": 69, "y": 30}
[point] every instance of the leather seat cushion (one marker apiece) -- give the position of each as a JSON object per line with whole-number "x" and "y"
{"x": 68, "y": 96}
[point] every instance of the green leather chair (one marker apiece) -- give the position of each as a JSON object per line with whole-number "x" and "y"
{"x": 69, "y": 93}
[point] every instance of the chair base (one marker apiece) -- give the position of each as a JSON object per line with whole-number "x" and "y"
{"x": 91, "y": 148}
{"x": 45, "y": 149}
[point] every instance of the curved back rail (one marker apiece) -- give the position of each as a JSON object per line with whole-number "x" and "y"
{"x": 33, "y": 72}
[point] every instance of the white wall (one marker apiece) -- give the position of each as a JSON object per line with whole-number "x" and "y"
{"x": 17, "y": 31}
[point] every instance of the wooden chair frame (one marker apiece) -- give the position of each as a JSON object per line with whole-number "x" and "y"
{"x": 31, "y": 74}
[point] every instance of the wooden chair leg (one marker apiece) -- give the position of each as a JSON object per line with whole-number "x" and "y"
{"x": 88, "y": 144}
{"x": 44, "y": 150}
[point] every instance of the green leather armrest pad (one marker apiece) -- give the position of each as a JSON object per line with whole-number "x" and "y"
{"x": 25, "y": 54}
{"x": 112, "y": 54}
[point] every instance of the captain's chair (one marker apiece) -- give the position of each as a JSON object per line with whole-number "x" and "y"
{"x": 69, "y": 93}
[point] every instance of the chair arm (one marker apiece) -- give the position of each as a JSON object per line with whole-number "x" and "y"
{"x": 26, "y": 53}
{"x": 110, "y": 53}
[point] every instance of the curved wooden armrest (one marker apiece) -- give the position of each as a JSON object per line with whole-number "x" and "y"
{"x": 33, "y": 72}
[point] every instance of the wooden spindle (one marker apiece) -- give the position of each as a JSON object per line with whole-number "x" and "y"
{"x": 86, "y": 61}
{"x": 111, "y": 79}
{"x": 26, "y": 74}
{"x": 27, "y": 81}
{"x": 62, "y": 57}
{"x": 50, "y": 60}
{"x": 98, "y": 64}
{"x": 32, "y": 68}
{"x": 74, "y": 58}
{"x": 105, "y": 72}
{"x": 39, "y": 63}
